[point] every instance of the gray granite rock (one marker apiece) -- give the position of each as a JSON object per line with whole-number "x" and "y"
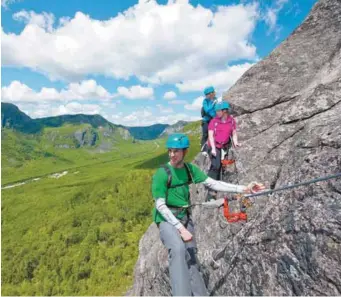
{"x": 289, "y": 121}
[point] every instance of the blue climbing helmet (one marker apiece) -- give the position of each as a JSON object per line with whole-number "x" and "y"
{"x": 177, "y": 141}
{"x": 208, "y": 90}
{"x": 222, "y": 105}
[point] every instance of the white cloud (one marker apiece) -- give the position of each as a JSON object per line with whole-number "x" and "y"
{"x": 47, "y": 110}
{"x": 271, "y": 13}
{"x": 6, "y": 3}
{"x": 76, "y": 107}
{"x": 169, "y": 95}
{"x": 109, "y": 104}
{"x": 43, "y": 20}
{"x": 115, "y": 118}
{"x": 271, "y": 18}
{"x": 196, "y": 104}
{"x": 87, "y": 89}
{"x": 167, "y": 110}
{"x": 178, "y": 102}
{"x": 136, "y": 92}
{"x": 281, "y": 3}
{"x": 164, "y": 109}
{"x": 146, "y": 118}
{"x": 157, "y": 43}
{"x": 221, "y": 80}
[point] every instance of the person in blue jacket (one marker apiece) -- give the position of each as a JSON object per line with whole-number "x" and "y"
{"x": 207, "y": 114}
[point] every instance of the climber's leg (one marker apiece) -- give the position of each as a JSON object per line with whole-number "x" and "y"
{"x": 197, "y": 282}
{"x": 178, "y": 268}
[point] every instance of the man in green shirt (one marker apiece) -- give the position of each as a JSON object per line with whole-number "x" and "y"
{"x": 170, "y": 189}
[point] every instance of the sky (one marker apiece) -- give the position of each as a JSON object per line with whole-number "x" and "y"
{"x": 136, "y": 63}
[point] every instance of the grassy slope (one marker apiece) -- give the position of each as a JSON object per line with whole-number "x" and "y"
{"x": 77, "y": 235}
{"x": 26, "y": 156}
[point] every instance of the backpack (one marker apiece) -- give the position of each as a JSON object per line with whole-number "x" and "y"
{"x": 203, "y": 112}
{"x": 169, "y": 180}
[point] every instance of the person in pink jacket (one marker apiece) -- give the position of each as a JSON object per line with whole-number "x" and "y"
{"x": 221, "y": 130}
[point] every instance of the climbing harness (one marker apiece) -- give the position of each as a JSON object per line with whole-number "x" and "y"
{"x": 226, "y": 162}
{"x": 234, "y": 216}
{"x": 228, "y": 159}
{"x": 176, "y": 210}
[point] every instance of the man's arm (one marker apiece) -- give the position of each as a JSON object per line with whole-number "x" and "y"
{"x": 221, "y": 186}
{"x": 159, "y": 192}
{"x": 160, "y": 204}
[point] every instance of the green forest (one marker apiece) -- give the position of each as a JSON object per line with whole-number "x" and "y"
{"x": 77, "y": 234}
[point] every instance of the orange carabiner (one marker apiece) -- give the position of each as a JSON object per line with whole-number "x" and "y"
{"x": 226, "y": 162}
{"x": 234, "y": 216}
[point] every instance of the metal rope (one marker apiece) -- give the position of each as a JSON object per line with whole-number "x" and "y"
{"x": 287, "y": 187}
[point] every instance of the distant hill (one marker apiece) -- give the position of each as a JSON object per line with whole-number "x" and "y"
{"x": 148, "y": 132}
{"x": 157, "y": 130}
{"x": 12, "y": 117}
{"x": 26, "y": 139}
{"x": 177, "y": 127}
{"x": 57, "y": 121}
{"x": 25, "y": 135}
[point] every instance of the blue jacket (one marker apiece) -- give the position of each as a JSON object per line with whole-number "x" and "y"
{"x": 208, "y": 108}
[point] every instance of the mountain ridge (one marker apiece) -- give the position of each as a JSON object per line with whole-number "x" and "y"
{"x": 13, "y": 117}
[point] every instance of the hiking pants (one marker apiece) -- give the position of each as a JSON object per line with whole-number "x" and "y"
{"x": 185, "y": 277}
{"x": 215, "y": 168}
{"x": 204, "y": 137}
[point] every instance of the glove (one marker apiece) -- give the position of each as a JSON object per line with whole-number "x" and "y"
{"x": 254, "y": 187}
{"x": 214, "y": 203}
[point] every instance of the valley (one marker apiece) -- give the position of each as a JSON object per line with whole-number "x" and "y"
{"x": 73, "y": 212}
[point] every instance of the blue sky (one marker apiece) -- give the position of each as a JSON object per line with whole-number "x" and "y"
{"x": 136, "y": 63}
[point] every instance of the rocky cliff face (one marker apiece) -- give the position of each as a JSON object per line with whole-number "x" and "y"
{"x": 177, "y": 127}
{"x": 289, "y": 118}
{"x": 86, "y": 137}
{"x": 124, "y": 133}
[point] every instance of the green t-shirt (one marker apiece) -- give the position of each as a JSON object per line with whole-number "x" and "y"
{"x": 177, "y": 196}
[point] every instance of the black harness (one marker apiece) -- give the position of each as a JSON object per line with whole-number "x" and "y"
{"x": 178, "y": 209}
